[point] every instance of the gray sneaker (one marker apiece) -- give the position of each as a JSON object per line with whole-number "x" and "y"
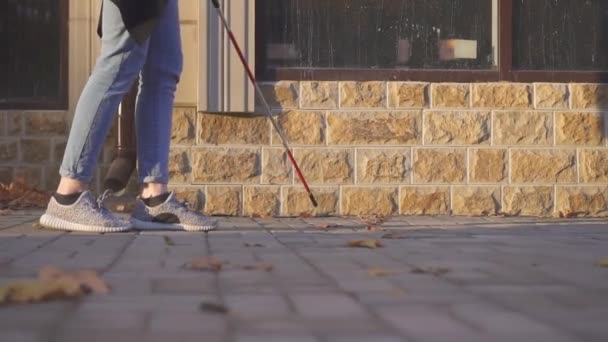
{"x": 170, "y": 215}
{"x": 85, "y": 215}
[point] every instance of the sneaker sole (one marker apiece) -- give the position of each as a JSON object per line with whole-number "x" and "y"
{"x": 147, "y": 225}
{"x": 52, "y": 222}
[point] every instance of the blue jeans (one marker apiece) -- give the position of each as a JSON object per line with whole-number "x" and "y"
{"x": 158, "y": 63}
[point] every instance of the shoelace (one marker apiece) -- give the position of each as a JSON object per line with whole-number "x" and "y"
{"x": 101, "y": 199}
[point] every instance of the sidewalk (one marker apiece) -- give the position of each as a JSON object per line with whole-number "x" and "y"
{"x": 435, "y": 279}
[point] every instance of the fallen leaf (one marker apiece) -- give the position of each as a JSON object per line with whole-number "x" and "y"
{"x": 435, "y": 271}
{"x": 90, "y": 280}
{"x": 206, "y": 264}
{"x": 327, "y": 225}
{"x": 213, "y": 308}
{"x": 259, "y": 215}
{"x": 394, "y": 236}
{"x": 168, "y": 241}
{"x": 258, "y": 267}
{"x": 6, "y": 212}
{"x": 19, "y": 195}
{"x": 372, "y": 220}
{"x": 375, "y": 229}
{"x": 37, "y": 225}
{"x": 379, "y": 272}
{"x": 366, "y": 243}
{"x": 603, "y": 263}
{"x": 253, "y": 245}
{"x": 305, "y": 214}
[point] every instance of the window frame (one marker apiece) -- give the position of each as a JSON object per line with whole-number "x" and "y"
{"x": 504, "y": 71}
{"x": 59, "y": 102}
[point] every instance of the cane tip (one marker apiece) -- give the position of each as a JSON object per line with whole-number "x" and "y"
{"x": 313, "y": 200}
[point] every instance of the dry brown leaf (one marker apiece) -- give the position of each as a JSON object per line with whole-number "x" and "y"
{"x": 206, "y": 264}
{"x": 379, "y": 272}
{"x": 375, "y": 229}
{"x": 260, "y": 215}
{"x": 253, "y": 245}
{"x": 6, "y": 212}
{"x": 19, "y": 195}
{"x": 327, "y": 225}
{"x": 603, "y": 263}
{"x": 88, "y": 280}
{"x": 259, "y": 267}
{"x": 435, "y": 271}
{"x": 366, "y": 243}
{"x": 372, "y": 220}
{"x": 213, "y": 308}
{"x": 394, "y": 236}
{"x": 305, "y": 214}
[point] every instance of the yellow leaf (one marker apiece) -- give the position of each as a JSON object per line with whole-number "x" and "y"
{"x": 603, "y": 263}
{"x": 206, "y": 264}
{"x": 379, "y": 272}
{"x": 366, "y": 243}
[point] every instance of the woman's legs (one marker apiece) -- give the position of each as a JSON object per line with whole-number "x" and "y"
{"x": 153, "y": 113}
{"x": 118, "y": 66}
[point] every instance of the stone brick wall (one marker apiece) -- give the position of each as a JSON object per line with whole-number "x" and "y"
{"x": 402, "y": 148}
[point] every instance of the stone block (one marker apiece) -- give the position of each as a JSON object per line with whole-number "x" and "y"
{"x": 282, "y": 94}
{"x": 184, "y": 126}
{"x": 383, "y": 166}
{"x": 319, "y": 95}
{"x": 523, "y": 128}
{"x": 528, "y": 201}
{"x": 440, "y": 165}
{"x": 30, "y": 175}
{"x": 582, "y": 201}
{"x": 457, "y": 128}
{"x": 301, "y": 128}
{"x": 326, "y": 166}
{"x": 59, "y": 150}
{"x": 39, "y": 124}
{"x": 14, "y": 124}
{"x": 369, "y": 201}
{"x": 222, "y": 129}
{"x": 423, "y": 200}
{"x": 276, "y": 167}
{"x": 374, "y": 128}
{"x": 6, "y": 175}
{"x": 362, "y": 95}
{"x": 502, "y": 95}
{"x": 407, "y": 95}
{"x": 543, "y": 166}
{"x": 262, "y": 201}
{"x": 589, "y": 96}
{"x": 35, "y": 150}
{"x": 223, "y": 200}
{"x": 51, "y": 177}
{"x": 297, "y": 203}
{"x": 180, "y": 169}
{"x": 450, "y": 95}
{"x": 579, "y": 128}
{"x": 551, "y": 96}
{"x": 193, "y": 196}
{"x": 594, "y": 166}
{"x": 488, "y": 165}
{"x": 225, "y": 165}
{"x": 475, "y": 201}
{"x": 9, "y": 151}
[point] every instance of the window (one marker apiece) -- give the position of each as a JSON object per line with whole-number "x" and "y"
{"x": 33, "y": 63}
{"x": 432, "y": 40}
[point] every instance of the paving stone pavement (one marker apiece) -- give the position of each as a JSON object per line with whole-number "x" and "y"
{"x": 444, "y": 279}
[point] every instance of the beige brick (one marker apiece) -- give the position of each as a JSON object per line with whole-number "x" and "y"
{"x": 424, "y": 200}
{"x": 223, "y": 200}
{"x": 187, "y": 88}
{"x": 262, "y": 201}
{"x": 579, "y": 128}
{"x": 528, "y": 201}
{"x": 551, "y": 96}
{"x": 488, "y": 165}
{"x": 374, "y": 128}
{"x": 276, "y": 167}
{"x": 440, "y": 165}
{"x": 180, "y": 169}
{"x": 188, "y": 10}
{"x": 407, "y": 94}
{"x": 589, "y": 96}
{"x": 35, "y": 150}
{"x": 476, "y": 201}
{"x": 319, "y": 95}
{"x": 6, "y": 175}
{"x": 369, "y": 201}
{"x": 450, "y": 95}
{"x": 297, "y": 203}
{"x": 301, "y": 128}
{"x": 594, "y": 166}
{"x": 193, "y": 196}
{"x": 523, "y": 128}
{"x": 458, "y": 128}
{"x": 184, "y": 126}
{"x": 326, "y": 166}
{"x": 225, "y": 165}
{"x": 582, "y": 201}
{"x": 222, "y": 129}
{"x": 502, "y": 95}
{"x": 14, "y": 124}
{"x": 282, "y": 94}
{"x": 8, "y": 151}
{"x": 362, "y": 95}
{"x": 45, "y": 124}
{"x": 543, "y": 166}
{"x": 383, "y": 166}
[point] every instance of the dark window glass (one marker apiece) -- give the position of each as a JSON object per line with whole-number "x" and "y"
{"x": 30, "y": 62}
{"x": 560, "y": 34}
{"x": 387, "y": 34}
